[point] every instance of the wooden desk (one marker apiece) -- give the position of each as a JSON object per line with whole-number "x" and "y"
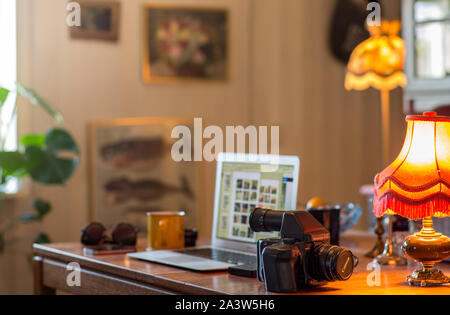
{"x": 123, "y": 275}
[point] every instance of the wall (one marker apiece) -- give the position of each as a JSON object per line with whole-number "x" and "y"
{"x": 299, "y": 85}
{"x": 282, "y": 73}
{"x": 90, "y": 80}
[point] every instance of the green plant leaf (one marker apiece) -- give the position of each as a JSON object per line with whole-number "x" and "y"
{"x": 47, "y": 168}
{"x": 18, "y": 174}
{"x": 35, "y": 99}
{"x": 3, "y": 95}
{"x": 37, "y": 140}
{"x": 58, "y": 140}
{"x": 27, "y": 217}
{"x": 45, "y": 164}
{"x": 13, "y": 163}
{"x": 42, "y": 238}
{"x": 42, "y": 207}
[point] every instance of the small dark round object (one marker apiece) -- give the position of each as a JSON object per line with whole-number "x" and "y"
{"x": 256, "y": 220}
{"x": 265, "y": 220}
{"x": 340, "y": 263}
{"x": 331, "y": 263}
{"x": 124, "y": 234}
{"x": 93, "y": 234}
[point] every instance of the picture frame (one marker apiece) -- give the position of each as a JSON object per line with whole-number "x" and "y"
{"x": 99, "y": 20}
{"x": 185, "y": 43}
{"x": 131, "y": 171}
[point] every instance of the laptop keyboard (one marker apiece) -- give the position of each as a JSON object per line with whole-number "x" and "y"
{"x": 221, "y": 255}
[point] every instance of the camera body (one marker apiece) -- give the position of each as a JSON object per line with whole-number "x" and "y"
{"x": 302, "y": 257}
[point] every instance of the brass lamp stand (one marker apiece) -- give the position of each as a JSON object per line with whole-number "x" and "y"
{"x": 387, "y": 257}
{"x": 379, "y": 245}
{"x": 378, "y": 62}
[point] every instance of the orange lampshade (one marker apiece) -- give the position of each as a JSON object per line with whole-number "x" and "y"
{"x": 378, "y": 61}
{"x": 417, "y": 184}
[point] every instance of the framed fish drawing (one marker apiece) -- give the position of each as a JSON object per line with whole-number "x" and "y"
{"x": 131, "y": 171}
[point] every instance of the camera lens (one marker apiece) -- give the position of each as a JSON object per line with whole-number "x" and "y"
{"x": 265, "y": 220}
{"x": 331, "y": 263}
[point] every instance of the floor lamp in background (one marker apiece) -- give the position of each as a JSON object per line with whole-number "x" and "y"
{"x": 378, "y": 63}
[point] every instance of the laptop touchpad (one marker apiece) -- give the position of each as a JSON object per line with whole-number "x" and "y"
{"x": 181, "y": 259}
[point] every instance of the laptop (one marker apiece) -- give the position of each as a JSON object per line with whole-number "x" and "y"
{"x": 243, "y": 182}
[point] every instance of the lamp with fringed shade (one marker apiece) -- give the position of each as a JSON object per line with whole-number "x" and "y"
{"x": 417, "y": 186}
{"x": 378, "y": 62}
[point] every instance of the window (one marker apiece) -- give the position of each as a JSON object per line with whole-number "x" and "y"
{"x": 426, "y": 31}
{"x": 8, "y": 67}
{"x": 432, "y": 38}
{"x": 8, "y": 77}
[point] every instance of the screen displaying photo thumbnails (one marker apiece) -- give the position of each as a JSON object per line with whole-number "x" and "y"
{"x": 244, "y": 188}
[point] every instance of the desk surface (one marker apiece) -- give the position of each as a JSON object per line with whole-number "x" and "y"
{"x": 120, "y": 274}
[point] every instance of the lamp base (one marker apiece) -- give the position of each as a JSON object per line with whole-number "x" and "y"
{"x": 379, "y": 245}
{"x": 428, "y": 278}
{"x": 428, "y": 248}
{"x": 376, "y": 250}
{"x": 389, "y": 259}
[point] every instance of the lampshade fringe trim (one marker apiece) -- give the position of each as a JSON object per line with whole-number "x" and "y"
{"x": 439, "y": 206}
{"x": 412, "y": 188}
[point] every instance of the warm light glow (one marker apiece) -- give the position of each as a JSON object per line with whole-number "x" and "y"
{"x": 378, "y": 61}
{"x": 417, "y": 184}
{"x": 371, "y": 79}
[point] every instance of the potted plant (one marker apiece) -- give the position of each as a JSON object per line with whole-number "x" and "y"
{"x": 38, "y": 156}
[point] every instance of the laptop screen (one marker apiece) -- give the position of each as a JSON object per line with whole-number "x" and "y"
{"x": 246, "y": 186}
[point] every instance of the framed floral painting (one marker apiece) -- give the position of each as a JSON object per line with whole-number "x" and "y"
{"x": 184, "y": 43}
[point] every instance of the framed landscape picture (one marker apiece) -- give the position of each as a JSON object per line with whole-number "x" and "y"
{"x": 185, "y": 43}
{"x": 99, "y": 20}
{"x": 131, "y": 171}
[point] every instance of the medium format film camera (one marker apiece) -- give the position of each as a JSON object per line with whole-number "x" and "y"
{"x": 302, "y": 257}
